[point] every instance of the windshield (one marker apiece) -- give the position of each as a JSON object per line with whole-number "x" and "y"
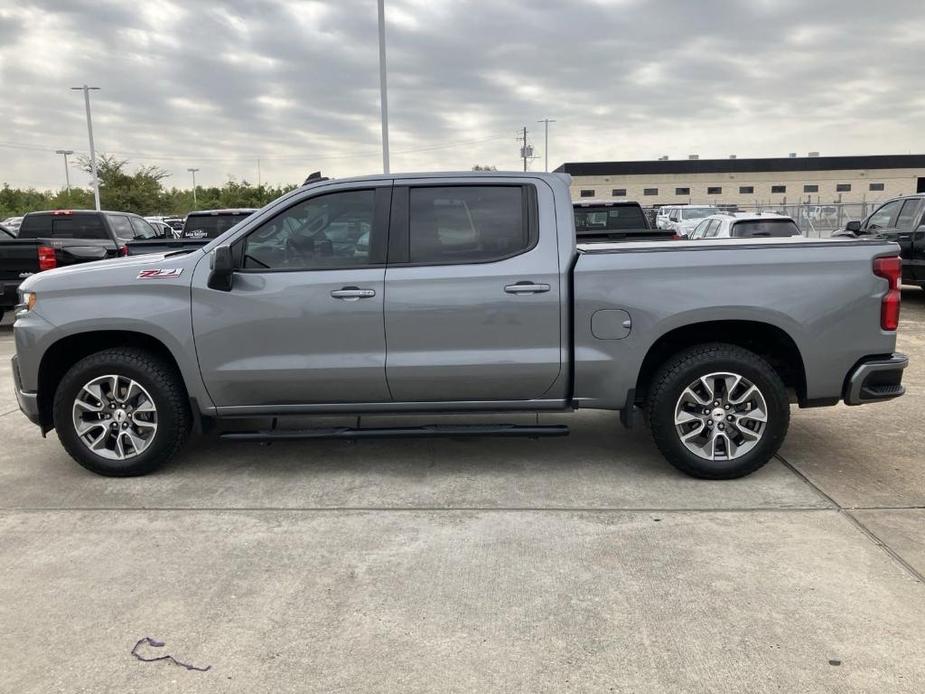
{"x": 604, "y": 218}
{"x": 210, "y": 226}
{"x": 698, "y": 212}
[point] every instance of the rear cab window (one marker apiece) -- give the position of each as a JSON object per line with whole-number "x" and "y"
{"x": 64, "y": 225}
{"x": 609, "y": 218}
{"x": 470, "y": 223}
{"x": 760, "y": 228}
{"x": 210, "y": 226}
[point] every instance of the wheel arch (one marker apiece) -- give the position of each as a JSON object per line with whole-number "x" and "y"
{"x": 67, "y": 351}
{"x": 767, "y": 340}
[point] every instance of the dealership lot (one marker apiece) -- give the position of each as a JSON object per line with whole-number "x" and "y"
{"x": 579, "y": 563}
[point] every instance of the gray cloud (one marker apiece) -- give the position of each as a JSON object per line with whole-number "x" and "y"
{"x": 296, "y": 83}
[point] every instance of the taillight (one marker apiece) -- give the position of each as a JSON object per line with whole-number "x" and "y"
{"x": 47, "y": 259}
{"x": 123, "y": 250}
{"x": 889, "y": 269}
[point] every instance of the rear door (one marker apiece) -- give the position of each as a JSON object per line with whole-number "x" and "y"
{"x": 472, "y": 307}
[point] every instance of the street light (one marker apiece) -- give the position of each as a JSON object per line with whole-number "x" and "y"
{"x": 193, "y": 171}
{"x": 67, "y": 174}
{"x": 547, "y": 121}
{"x": 96, "y": 181}
{"x": 383, "y": 90}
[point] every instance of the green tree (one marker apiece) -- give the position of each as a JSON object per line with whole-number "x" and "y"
{"x": 139, "y": 192}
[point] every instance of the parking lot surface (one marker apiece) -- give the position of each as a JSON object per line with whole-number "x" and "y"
{"x": 583, "y": 563}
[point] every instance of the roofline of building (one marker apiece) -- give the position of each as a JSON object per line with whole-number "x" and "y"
{"x": 764, "y": 165}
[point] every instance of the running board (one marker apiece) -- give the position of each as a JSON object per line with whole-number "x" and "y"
{"x": 422, "y": 432}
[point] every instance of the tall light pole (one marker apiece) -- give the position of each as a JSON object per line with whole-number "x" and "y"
{"x": 383, "y": 90}
{"x": 193, "y": 171}
{"x": 67, "y": 174}
{"x": 547, "y": 121}
{"x": 96, "y": 181}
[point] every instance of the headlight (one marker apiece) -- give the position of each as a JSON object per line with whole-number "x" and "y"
{"x": 28, "y": 301}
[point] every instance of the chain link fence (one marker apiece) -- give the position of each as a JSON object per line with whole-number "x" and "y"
{"x": 815, "y": 220}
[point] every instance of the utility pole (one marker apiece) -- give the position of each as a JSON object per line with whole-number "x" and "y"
{"x": 67, "y": 174}
{"x": 526, "y": 151}
{"x": 96, "y": 180}
{"x": 546, "y": 121}
{"x": 193, "y": 171}
{"x": 383, "y": 90}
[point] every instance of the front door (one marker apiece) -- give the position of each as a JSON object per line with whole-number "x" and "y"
{"x": 901, "y": 228}
{"x": 472, "y": 304}
{"x": 303, "y": 321}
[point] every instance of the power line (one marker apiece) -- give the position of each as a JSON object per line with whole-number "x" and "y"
{"x": 287, "y": 157}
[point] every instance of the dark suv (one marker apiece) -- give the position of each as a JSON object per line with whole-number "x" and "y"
{"x": 900, "y": 220}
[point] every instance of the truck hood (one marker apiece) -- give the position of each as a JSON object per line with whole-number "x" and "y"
{"x": 101, "y": 273}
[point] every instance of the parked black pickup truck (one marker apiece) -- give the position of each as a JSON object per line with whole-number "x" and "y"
{"x": 901, "y": 220}
{"x": 56, "y": 238}
{"x": 615, "y": 220}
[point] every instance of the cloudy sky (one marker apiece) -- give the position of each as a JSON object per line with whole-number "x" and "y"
{"x": 217, "y": 85}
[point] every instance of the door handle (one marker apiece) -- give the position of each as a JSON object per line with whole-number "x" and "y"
{"x": 353, "y": 293}
{"x": 526, "y": 288}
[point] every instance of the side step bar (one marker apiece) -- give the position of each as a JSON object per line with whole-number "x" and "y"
{"x": 421, "y": 432}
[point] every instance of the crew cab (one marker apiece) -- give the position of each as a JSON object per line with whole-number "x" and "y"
{"x": 901, "y": 220}
{"x": 454, "y": 293}
{"x": 57, "y": 238}
{"x": 614, "y": 220}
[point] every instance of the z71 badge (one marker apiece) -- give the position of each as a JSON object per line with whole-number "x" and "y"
{"x": 156, "y": 274}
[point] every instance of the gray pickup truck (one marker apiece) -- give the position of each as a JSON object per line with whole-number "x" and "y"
{"x": 454, "y": 293}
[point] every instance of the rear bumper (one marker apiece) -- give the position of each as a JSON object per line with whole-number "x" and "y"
{"x": 28, "y": 402}
{"x": 876, "y": 379}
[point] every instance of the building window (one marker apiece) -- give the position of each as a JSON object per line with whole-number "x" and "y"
{"x": 842, "y": 187}
{"x": 587, "y": 193}
{"x": 778, "y": 189}
{"x": 650, "y": 191}
{"x": 810, "y": 188}
{"x": 876, "y": 186}
{"x": 714, "y": 190}
{"x": 618, "y": 192}
{"x": 746, "y": 190}
{"x": 682, "y": 191}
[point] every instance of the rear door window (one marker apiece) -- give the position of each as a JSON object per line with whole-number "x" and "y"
{"x": 121, "y": 227}
{"x": 468, "y": 224}
{"x": 758, "y": 228}
{"x": 142, "y": 229}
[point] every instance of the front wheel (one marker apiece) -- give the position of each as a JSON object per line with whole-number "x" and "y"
{"x": 121, "y": 412}
{"x": 718, "y": 411}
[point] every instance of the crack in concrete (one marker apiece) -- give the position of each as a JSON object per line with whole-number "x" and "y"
{"x": 856, "y": 522}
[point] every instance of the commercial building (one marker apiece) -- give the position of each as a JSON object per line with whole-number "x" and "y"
{"x": 770, "y": 181}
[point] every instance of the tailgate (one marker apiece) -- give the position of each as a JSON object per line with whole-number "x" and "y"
{"x": 18, "y": 259}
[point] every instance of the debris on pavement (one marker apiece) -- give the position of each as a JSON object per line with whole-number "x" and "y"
{"x": 160, "y": 644}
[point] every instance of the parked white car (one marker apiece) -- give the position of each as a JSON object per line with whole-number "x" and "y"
{"x": 745, "y": 225}
{"x": 682, "y": 219}
{"x": 12, "y": 223}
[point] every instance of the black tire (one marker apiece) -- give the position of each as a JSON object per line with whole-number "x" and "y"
{"x": 158, "y": 378}
{"x": 685, "y": 368}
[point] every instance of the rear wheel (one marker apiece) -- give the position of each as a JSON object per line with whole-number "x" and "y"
{"x": 718, "y": 411}
{"x": 121, "y": 412}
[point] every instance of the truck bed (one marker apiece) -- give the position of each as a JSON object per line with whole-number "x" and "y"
{"x": 822, "y": 294}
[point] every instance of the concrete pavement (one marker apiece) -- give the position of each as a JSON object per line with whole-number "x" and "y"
{"x": 584, "y": 563}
